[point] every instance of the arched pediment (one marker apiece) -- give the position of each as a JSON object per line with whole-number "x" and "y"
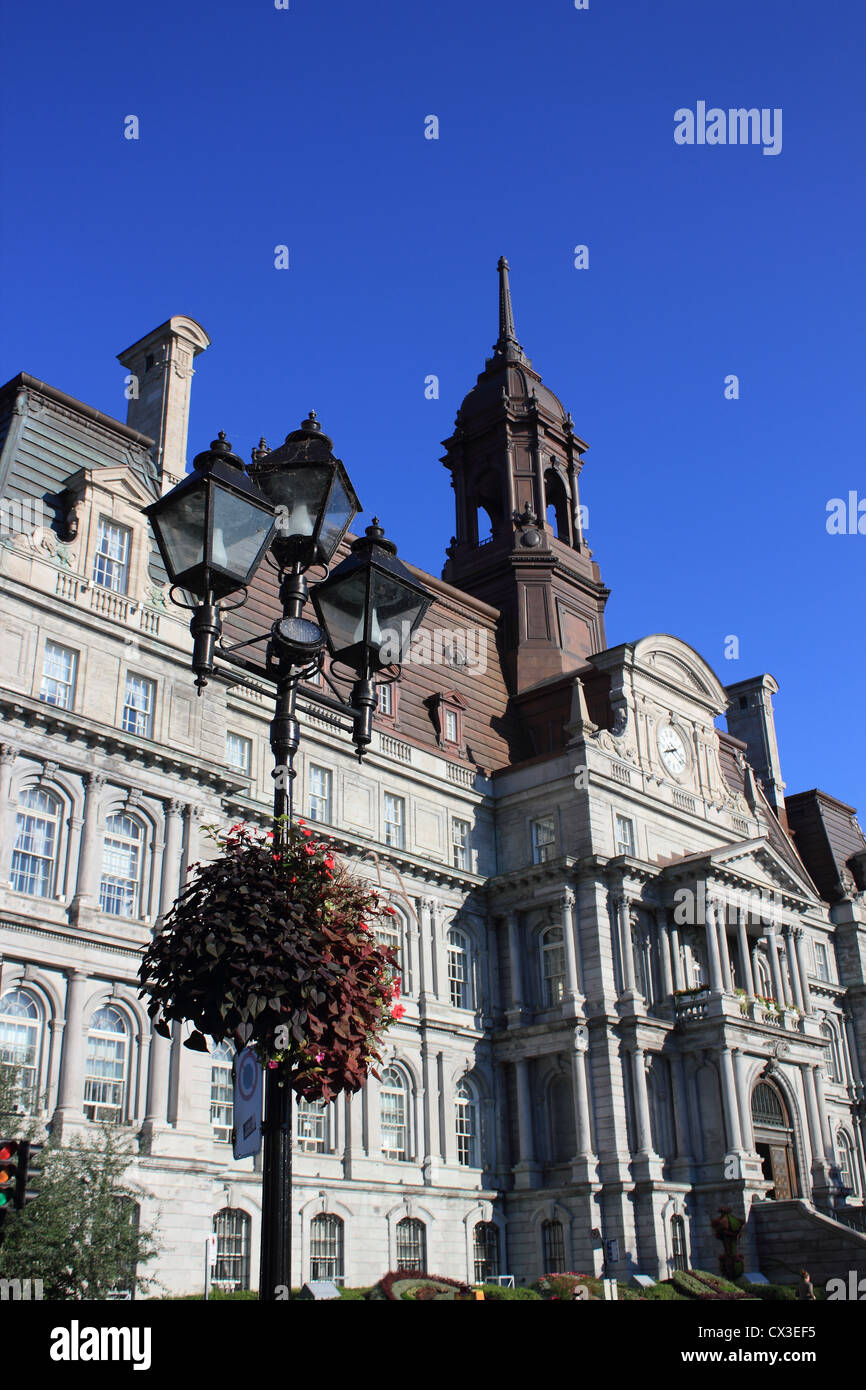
{"x": 675, "y": 663}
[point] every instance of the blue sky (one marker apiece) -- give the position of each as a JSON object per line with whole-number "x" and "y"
{"x": 305, "y": 127}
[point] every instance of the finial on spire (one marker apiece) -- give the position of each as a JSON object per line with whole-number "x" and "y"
{"x": 507, "y": 343}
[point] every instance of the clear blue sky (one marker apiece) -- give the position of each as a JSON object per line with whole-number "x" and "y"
{"x": 306, "y": 127}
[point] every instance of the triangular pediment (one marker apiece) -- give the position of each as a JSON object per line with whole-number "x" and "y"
{"x": 116, "y": 480}
{"x": 755, "y": 863}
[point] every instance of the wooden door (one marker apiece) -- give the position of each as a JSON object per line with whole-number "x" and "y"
{"x": 781, "y": 1172}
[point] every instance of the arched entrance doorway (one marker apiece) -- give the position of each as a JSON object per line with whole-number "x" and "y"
{"x": 774, "y": 1141}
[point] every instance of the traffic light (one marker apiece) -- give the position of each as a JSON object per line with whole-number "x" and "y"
{"x": 14, "y": 1157}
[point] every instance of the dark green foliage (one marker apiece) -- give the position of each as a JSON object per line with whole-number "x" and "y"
{"x": 497, "y": 1294}
{"x": 773, "y": 1293}
{"x": 80, "y": 1235}
{"x": 274, "y": 946}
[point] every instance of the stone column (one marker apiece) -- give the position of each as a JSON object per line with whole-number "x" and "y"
{"x": 70, "y": 1091}
{"x": 8, "y": 754}
{"x": 800, "y": 948}
{"x": 676, "y": 959}
{"x": 773, "y": 952}
{"x": 725, "y": 956}
{"x": 816, "y": 1138}
{"x": 729, "y": 1101}
{"x": 665, "y": 955}
{"x": 743, "y": 1100}
{"x": 826, "y": 1133}
{"x": 748, "y": 980}
{"x": 89, "y": 857}
{"x": 572, "y": 983}
{"x": 622, "y": 909}
{"x": 581, "y": 1094}
{"x": 794, "y": 966}
{"x": 643, "y": 1123}
{"x": 715, "y": 963}
{"x": 515, "y": 963}
{"x": 756, "y": 974}
{"x": 156, "y": 1112}
{"x": 427, "y": 990}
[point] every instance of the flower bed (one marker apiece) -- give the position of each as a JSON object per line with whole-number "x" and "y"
{"x": 416, "y": 1286}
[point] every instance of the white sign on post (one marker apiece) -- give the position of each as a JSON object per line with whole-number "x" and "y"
{"x": 211, "y": 1251}
{"x": 247, "y": 1104}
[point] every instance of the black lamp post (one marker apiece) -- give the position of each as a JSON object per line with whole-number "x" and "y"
{"x": 213, "y": 531}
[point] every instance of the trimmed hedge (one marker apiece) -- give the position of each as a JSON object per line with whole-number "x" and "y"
{"x": 497, "y": 1293}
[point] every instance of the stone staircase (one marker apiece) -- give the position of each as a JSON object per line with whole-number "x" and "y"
{"x": 794, "y": 1235}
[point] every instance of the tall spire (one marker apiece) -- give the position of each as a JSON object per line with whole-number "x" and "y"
{"x": 506, "y": 344}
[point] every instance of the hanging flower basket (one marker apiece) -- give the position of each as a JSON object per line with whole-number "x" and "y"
{"x": 273, "y": 945}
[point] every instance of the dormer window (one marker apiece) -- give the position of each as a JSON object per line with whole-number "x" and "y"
{"x": 448, "y": 713}
{"x": 111, "y": 561}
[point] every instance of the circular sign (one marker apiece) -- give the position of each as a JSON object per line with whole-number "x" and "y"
{"x": 248, "y": 1073}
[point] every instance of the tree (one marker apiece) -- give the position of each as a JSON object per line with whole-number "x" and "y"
{"x": 81, "y": 1235}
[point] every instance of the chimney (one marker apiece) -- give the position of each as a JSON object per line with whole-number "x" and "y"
{"x": 160, "y": 365}
{"x": 750, "y": 718}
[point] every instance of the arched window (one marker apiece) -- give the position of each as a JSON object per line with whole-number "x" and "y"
{"x": 21, "y": 1027}
{"x": 221, "y": 1092}
{"x": 767, "y": 1108}
{"x": 466, "y": 1124}
{"x": 847, "y": 1166}
{"x": 326, "y": 1248}
{"x": 485, "y": 1250}
{"x": 312, "y": 1126}
{"x": 123, "y": 849}
{"x": 553, "y": 1245}
{"x": 553, "y": 965}
{"x": 232, "y": 1230}
{"x": 106, "y": 1065}
{"x": 459, "y": 970}
{"x": 832, "y": 1064}
{"x": 411, "y": 1244}
{"x": 678, "y": 1243}
{"x": 393, "y": 1112}
{"x": 37, "y": 832}
{"x": 764, "y": 980}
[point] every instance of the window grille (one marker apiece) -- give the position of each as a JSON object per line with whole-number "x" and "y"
{"x": 411, "y": 1244}
{"x": 232, "y": 1230}
{"x": 678, "y": 1243}
{"x": 767, "y": 1108}
{"x": 326, "y": 1248}
{"x": 553, "y": 1242}
{"x": 485, "y": 1244}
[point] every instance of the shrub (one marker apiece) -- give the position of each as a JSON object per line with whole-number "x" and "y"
{"x": 562, "y": 1286}
{"x": 783, "y": 1293}
{"x": 497, "y": 1293}
{"x": 698, "y": 1284}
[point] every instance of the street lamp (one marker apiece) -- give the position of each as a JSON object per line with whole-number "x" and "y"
{"x": 213, "y": 531}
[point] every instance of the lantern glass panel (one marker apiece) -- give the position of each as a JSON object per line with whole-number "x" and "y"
{"x": 338, "y": 514}
{"x": 181, "y": 528}
{"x": 394, "y": 611}
{"x": 240, "y": 529}
{"x": 343, "y": 610}
{"x": 301, "y": 491}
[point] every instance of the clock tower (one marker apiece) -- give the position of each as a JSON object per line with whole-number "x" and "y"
{"x": 515, "y": 461}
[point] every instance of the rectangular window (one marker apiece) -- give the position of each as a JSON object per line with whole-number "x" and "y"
{"x": 239, "y": 753}
{"x": 386, "y": 699}
{"x": 450, "y": 726}
{"x": 822, "y": 961}
{"x": 312, "y": 1126}
{"x": 111, "y": 562}
{"x": 624, "y": 835}
{"x": 320, "y": 793}
{"x": 395, "y": 815}
{"x": 138, "y": 703}
{"x": 58, "y": 675}
{"x": 543, "y": 840}
{"x": 460, "y": 844}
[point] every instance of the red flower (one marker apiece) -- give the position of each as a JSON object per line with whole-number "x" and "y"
{"x": 309, "y": 849}
{"x": 397, "y": 1010}
{"x": 276, "y": 858}
{"x": 390, "y": 911}
{"x": 329, "y": 861}
{"x": 395, "y": 990}
{"x": 306, "y": 832}
{"x": 272, "y": 1066}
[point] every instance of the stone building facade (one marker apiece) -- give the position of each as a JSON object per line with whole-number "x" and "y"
{"x": 633, "y": 969}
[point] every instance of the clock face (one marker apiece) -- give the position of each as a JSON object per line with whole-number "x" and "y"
{"x": 672, "y": 750}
